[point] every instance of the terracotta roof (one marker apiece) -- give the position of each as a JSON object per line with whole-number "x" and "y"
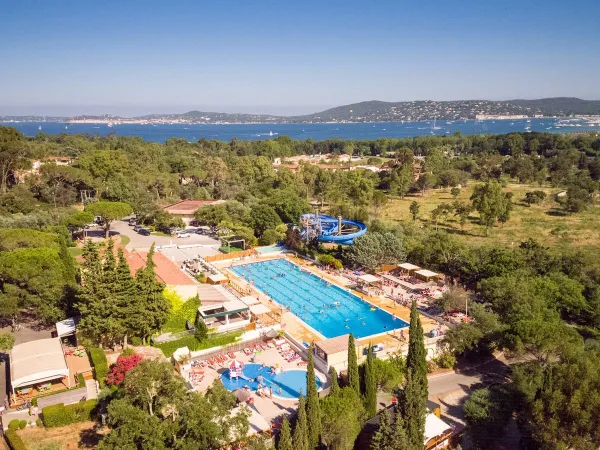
{"x": 334, "y": 345}
{"x": 166, "y": 270}
{"x": 190, "y": 206}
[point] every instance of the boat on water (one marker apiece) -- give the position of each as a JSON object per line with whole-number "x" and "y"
{"x": 109, "y": 124}
{"x": 433, "y": 126}
{"x": 40, "y": 128}
{"x": 270, "y": 133}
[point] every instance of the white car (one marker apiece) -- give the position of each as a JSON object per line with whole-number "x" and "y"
{"x": 183, "y": 235}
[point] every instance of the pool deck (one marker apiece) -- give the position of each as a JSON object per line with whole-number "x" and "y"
{"x": 391, "y": 341}
{"x": 269, "y": 408}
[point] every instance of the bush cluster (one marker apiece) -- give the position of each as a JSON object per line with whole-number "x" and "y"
{"x": 13, "y": 440}
{"x": 61, "y": 415}
{"x": 168, "y": 348}
{"x": 99, "y": 363}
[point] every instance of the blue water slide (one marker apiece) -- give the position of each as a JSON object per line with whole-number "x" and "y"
{"x": 326, "y": 228}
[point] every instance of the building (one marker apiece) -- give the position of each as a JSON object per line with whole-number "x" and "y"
{"x": 36, "y": 164}
{"x": 221, "y": 310}
{"x": 166, "y": 272}
{"x": 334, "y": 352}
{"x": 186, "y": 209}
{"x": 36, "y": 362}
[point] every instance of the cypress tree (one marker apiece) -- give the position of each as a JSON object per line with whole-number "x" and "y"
{"x": 152, "y": 307}
{"x": 383, "y": 439}
{"x": 301, "y": 429}
{"x": 353, "y": 377}
{"x": 370, "y": 385}
{"x": 414, "y": 411}
{"x": 416, "y": 358}
{"x": 335, "y": 387}
{"x": 285, "y": 438}
{"x": 399, "y": 438}
{"x": 313, "y": 409}
{"x": 127, "y": 295}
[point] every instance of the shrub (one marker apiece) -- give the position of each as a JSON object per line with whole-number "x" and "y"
{"x": 123, "y": 365}
{"x": 187, "y": 311}
{"x": 22, "y": 424}
{"x": 39, "y": 423}
{"x": 13, "y": 424}
{"x": 328, "y": 260}
{"x": 128, "y": 352}
{"x": 80, "y": 381}
{"x": 201, "y": 331}
{"x": 135, "y": 341}
{"x": 99, "y": 363}
{"x": 13, "y": 440}
{"x": 61, "y": 415}
{"x": 446, "y": 360}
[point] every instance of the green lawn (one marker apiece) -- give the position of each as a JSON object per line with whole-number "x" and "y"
{"x": 544, "y": 222}
{"x": 125, "y": 240}
{"x": 74, "y": 251}
{"x": 231, "y": 249}
{"x": 192, "y": 343}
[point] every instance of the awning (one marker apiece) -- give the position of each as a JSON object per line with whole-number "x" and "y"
{"x": 217, "y": 277}
{"x": 66, "y": 327}
{"x": 408, "y": 266}
{"x": 259, "y": 309}
{"x": 368, "y": 278}
{"x": 37, "y": 361}
{"x": 434, "y": 426}
{"x": 249, "y": 300}
{"x": 426, "y": 273}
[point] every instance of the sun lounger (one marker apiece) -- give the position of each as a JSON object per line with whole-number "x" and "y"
{"x": 271, "y": 344}
{"x": 302, "y": 363}
{"x": 247, "y": 351}
{"x": 280, "y": 342}
{"x": 231, "y": 355}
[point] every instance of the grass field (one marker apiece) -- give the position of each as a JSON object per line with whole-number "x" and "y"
{"x": 544, "y": 222}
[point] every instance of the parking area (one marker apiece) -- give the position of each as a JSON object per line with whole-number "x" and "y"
{"x": 209, "y": 244}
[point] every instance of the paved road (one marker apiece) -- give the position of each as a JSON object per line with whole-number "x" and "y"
{"x": 144, "y": 242}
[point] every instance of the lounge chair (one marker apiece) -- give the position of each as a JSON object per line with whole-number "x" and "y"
{"x": 247, "y": 351}
{"x": 302, "y": 363}
{"x": 231, "y": 355}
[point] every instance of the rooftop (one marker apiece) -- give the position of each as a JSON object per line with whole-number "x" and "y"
{"x": 334, "y": 345}
{"x": 190, "y": 206}
{"x": 37, "y": 361}
{"x": 166, "y": 270}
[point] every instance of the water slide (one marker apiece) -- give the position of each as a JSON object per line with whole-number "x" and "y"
{"x": 331, "y": 229}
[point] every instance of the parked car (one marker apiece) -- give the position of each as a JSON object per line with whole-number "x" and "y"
{"x": 137, "y": 227}
{"x": 132, "y": 222}
{"x": 144, "y": 232}
{"x": 183, "y": 234}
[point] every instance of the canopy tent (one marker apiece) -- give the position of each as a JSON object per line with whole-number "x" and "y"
{"x": 249, "y": 300}
{"x": 426, "y": 274}
{"x": 36, "y": 362}
{"x": 408, "y": 266}
{"x": 216, "y": 278}
{"x": 259, "y": 309}
{"x": 368, "y": 278}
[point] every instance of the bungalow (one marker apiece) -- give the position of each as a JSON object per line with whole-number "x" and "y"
{"x": 186, "y": 209}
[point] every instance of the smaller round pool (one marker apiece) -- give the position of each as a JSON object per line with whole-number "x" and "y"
{"x": 287, "y": 384}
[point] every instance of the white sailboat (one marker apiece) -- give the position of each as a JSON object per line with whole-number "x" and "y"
{"x": 40, "y": 128}
{"x": 433, "y": 127}
{"x": 270, "y": 133}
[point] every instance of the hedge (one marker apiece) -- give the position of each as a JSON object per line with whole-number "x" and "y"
{"x": 61, "y": 415}
{"x": 100, "y": 364}
{"x": 13, "y": 440}
{"x": 13, "y": 424}
{"x": 218, "y": 340}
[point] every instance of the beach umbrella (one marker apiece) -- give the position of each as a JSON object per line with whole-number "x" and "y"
{"x": 236, "y": 365}
{"x": 243, "y": 395}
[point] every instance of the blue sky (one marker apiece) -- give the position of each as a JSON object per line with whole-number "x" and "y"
{"x": 285, "y": 57}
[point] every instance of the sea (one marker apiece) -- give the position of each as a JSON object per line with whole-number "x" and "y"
{"x": 315, "y": 131}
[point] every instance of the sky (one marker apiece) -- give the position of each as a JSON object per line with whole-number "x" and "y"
{"x": 289, "y": 57}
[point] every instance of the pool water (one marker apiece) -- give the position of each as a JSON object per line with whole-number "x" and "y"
{"x": 287, "y": 384}
{"x": 327, "y": 308}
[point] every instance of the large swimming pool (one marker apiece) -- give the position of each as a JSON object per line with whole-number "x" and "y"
{"x": 327, "y": 308}
{"x": 287, "y": 384}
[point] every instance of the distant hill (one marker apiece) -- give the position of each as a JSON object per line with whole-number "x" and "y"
{"x": 374, "y": 111}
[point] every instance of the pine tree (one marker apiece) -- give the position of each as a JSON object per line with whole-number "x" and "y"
{"x": 414, "y": 411}
{"x": 370, "y": 385}
{"x": 399, "y": 438}
{"x": 383, "y": 439}
{"x": 301, "y": 429}
{"x": 353, "y": 377}
{"x": 68, "y": 261}
{"x": 285, "y": 438}
{"x": 313, "y": 409}
{"x": 416, "y": 358}
{"x": 152, "y": 307}
{"x": 335, "y": 387}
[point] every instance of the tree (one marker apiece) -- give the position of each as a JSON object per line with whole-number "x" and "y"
{"x": 301, "y": 429}
{"x": 201, "y": 332}
{"x": 383, "y": 439}
{"x": 335, "y": 387}
{"x": 370, "y": 385}
{"x": 353, "y": 376}
{"x": 108, "y": 212}
{"x": 262, "y": 218}
{"x": 426, "y": 181}
{"x": 313, "y": 410}
{"x": 454, "y": 298}
{"x": 414, "y": 209}
{"x": 7, "y": 341}
{"x": 373, "y": 249}
{"x": 487, "y": 412}
{"x": 455, "y": 192}
{"x": 492, "y": 204}
{"x": 14, "y": 154}
{"x": 343, "y": 417}
{"x": 534, "y": 197}
{"x": 330, "y": 261}
{"x": 285, "y": 438}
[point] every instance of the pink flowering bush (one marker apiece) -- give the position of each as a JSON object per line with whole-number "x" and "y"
{"x": 123, "y": 365}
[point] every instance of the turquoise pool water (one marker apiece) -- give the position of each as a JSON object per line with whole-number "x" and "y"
{"x": 327, "y": 308}
{"x": 286, "y": 384}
